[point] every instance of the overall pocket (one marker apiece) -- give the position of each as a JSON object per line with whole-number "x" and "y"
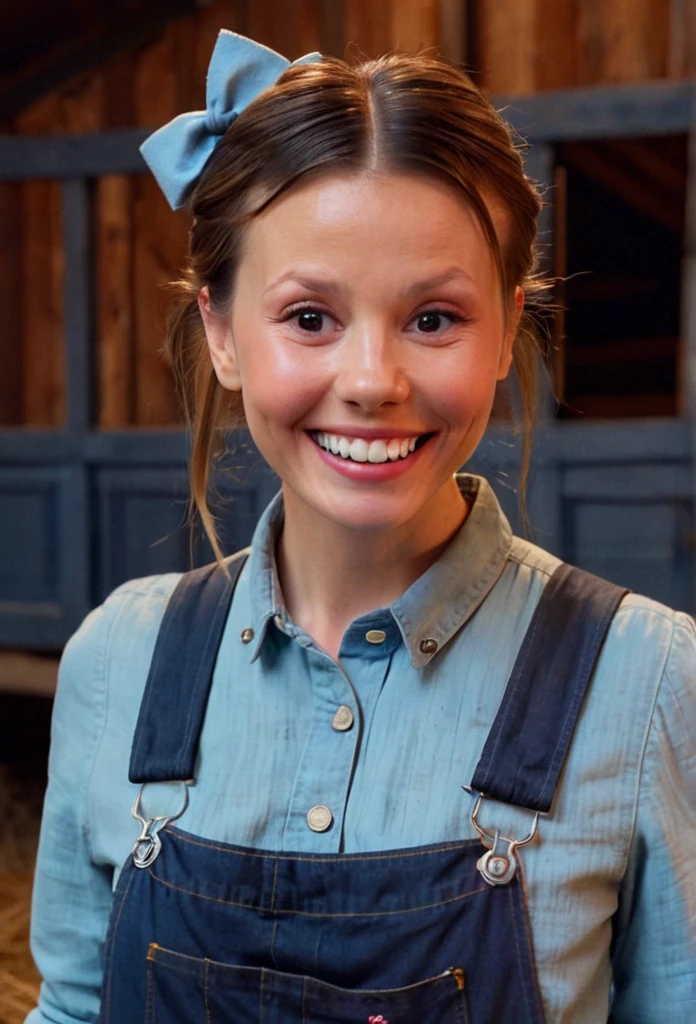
{"x": 183, "y": 989}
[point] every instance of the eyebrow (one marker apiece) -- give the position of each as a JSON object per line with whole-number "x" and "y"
{"x": 314, "y": 284}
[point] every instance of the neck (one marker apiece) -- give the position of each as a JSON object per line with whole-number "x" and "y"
{"x": 331, "y": 574}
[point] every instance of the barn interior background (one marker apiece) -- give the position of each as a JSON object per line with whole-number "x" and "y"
{"x": 92, "y": 455}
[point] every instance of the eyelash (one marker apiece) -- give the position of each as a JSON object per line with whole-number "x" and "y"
{"x": 454, "y": 318}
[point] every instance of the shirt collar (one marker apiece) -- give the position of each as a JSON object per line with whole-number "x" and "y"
{"x": 433, "y": 608}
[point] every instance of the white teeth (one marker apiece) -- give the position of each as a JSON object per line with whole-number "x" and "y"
{"x": 393, "y": 449}
{"x": 377, "y": 452}
{"x": 361, "y": 450}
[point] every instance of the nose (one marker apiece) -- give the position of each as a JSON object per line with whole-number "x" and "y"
{"x": 370, "y": 372}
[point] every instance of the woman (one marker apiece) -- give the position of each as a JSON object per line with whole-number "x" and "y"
{"x": 361, "y": 275}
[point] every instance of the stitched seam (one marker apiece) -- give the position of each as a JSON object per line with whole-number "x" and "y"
{"x": 112, "y": 946}
{"x": 324, "y": 858}
{"x": 509, "y": 695}
{"x": 104, "y": 661}
{"x": 193, "y": 718}
{"x": 277, "y": 920}
{"x": 174, "y": 600}
{"x": 150, "y": 994}
{"x": 570, "y": 718}
{"x": 306, "y": 913}
{"x": 206, "y": 982}
{"x": 534, "y": 980}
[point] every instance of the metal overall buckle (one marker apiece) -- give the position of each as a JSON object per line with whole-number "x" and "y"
{"x": 147, "y": 846}
{"x": 498, "y": 864}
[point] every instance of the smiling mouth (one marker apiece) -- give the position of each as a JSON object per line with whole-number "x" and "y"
{"x": 376, "y": 450}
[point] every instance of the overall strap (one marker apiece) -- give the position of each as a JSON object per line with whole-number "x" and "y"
{"x": 181, "y": 672}
{"x": 527, "y": 746}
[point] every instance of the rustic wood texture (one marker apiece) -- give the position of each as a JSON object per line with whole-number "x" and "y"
{"x": 517, "y": 46}
{"x": 11, "y": 347}
{"x": 524, "y": 46}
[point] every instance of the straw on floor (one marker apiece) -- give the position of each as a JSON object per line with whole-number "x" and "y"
{"x": 19, "y": 821}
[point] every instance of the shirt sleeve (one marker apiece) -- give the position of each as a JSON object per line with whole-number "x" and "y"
{"x": 655, "y": 934}
{"x": 72, "y": 894}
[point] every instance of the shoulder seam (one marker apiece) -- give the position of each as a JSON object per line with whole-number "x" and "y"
{"x": 103, "y": 674}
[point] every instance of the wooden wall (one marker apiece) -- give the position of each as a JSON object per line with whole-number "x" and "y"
{"x": 524, "y": 46}
{"x": 515, "y": 46}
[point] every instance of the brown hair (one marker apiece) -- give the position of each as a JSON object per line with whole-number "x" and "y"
{"x": 400, "y": 112}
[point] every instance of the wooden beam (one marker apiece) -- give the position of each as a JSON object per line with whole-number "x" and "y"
{"x": 655, "y": 108}
{"x": 34, "y": 674}
{"x": 85, "y": 53}
{"x": 49, "y": 157}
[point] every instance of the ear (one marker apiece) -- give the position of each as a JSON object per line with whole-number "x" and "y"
{"x": 220, "y": 343}
{"x": 513, "y": 322}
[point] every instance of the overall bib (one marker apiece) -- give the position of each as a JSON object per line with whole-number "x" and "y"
{"x": 208, "y": 932}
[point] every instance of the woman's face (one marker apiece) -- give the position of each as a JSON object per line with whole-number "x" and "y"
{"x": 367, "y": 333}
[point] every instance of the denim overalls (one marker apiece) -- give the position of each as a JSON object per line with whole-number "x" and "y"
{"x": 207, "y": 932}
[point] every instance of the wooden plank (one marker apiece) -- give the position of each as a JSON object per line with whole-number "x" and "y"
{"x": 159, "y": 235}
{"x": 556, "y": 64}
{"x": 368, "y": 28}
{"x": 41, "y": 296}
{"x": 681, "y": 57}
{"x": 117, "y": 33}
{"x": 113, "y": 229}
{"x": 114, "y": 309}
{"x": 506, "y": 50}
{"x": 11, "y": 363}
{"x": 622, "y": 41}
{"x": 291, "y": 27}
{"x": 41, "y": 305}
{"x": 415, "y": 24}
{"x": 331, "y": 22}
{"x": 452, "y": 29}
{"x": 78, "y": 304}
{"x": 34, "y": 674}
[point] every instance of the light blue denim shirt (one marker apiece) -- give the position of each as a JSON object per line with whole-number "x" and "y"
{"x": 611, "y": 879}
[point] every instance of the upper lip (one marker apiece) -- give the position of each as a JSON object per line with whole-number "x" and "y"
{"x": 368, "y": 433}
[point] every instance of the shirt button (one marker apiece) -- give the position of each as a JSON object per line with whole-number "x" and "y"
{"x": 342, "y": 721}
{"x": 319, "y": 818}
{"x": 428, "y": 646}
{"x": 247, "y": 636}
{"x": 375, "y": 636}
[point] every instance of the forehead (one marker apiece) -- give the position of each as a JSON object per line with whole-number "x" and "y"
{"x": 363, "y": 221}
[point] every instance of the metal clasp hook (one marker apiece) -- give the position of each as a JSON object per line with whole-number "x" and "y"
{"x": 498, "y": 865}
{"x": 147, "y": 846}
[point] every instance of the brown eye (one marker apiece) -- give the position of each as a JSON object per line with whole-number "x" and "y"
{"x": 310, "y": 320}
{"x": 429, "y": 322}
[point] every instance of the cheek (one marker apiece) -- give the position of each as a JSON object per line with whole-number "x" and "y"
{"x": 280, "y": 384}
{"x": 465, "y": 388}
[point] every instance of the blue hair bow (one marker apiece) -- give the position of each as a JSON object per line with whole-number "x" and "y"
{"x": 239, "y": 70}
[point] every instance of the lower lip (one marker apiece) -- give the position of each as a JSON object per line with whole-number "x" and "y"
{"x": 370, "y": 472}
